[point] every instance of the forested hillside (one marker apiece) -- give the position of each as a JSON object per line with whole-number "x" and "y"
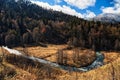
{"x": 22, "y": 23}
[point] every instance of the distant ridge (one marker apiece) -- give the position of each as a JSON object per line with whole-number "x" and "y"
{"x": 108, "y": 17}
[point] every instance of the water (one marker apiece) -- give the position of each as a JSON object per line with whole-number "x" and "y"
{"x": 12, "y": 51}
{"x": 97, "y": 63}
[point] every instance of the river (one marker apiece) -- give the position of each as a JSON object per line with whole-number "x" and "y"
{"x": 97, "y": 63}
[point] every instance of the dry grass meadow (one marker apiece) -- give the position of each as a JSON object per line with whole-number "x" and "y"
{"x": 14, "y": 67}
{"x": 50, "y": 53}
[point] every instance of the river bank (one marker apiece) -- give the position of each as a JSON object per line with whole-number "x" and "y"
{"x": 105, "y": 71}
{"x": 98, "y": 62}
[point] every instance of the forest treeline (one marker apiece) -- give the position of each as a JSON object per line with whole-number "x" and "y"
{"x": 25, "y": 23}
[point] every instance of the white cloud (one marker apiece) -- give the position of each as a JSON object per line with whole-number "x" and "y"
{"x": 89, "y": 14}
{"x": 111, "y": 10}
{"x": 114, "y": 9}
{"x": 65, "y": 9}
{"x": 81, "y": 4}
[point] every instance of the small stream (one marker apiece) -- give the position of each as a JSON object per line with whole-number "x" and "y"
{"x": 97, "y": 63}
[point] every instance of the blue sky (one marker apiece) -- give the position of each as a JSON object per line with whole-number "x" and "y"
{"x": 81, "y": 8}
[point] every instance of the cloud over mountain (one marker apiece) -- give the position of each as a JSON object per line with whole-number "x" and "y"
{"x": 65, "y": 9}
{"x": 81, "y": 4}
{"x": 89, "y": 14}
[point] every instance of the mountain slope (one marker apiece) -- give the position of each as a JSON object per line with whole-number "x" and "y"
{"x": 21, "y": 17}
{"x": 30, "y": 10}
{"x": 23, "y": 23}
{"x": 108, "y": 17}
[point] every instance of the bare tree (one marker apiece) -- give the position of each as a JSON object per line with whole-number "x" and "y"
{"x": 75, "y": 55}
{"x": 25, "y": 50}
{"x": 10, "y": 40}
{"x": 48, "y": 70}
{"x": 27, "y": 38}
{"x": 2, "y": 56}
{"x": 117, "y": 45}
{"x": 65, "y": 58}
{"x": 36, "y": 34}
{"x": 60, "y": 57}
{"x": 113, "y": 72}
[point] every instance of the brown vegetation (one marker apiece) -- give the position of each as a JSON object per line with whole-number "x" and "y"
{"x": 38, "y": 70}
{"x": 107, "y": 72}
{"x": 22, "y": 68}
{"x": 20, "y": 26}
{"x": 74, "y": 57}
{"x": 110, "y": 56}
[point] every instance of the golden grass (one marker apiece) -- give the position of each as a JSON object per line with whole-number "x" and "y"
{"x": 105, "y": 72}
{"x": 49, "y": 53}
{"x": 10, "y": 72}
{"x": 110, "y": 56}
{"x": 110, "y": 71}
{"x": 38, "y": 70}
{"x": 42, "y": 52}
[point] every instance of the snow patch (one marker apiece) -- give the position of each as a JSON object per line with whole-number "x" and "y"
{"x": 12, "y": 51}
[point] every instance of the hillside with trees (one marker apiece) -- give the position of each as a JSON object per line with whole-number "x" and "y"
{"x": 23, "y": 23}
